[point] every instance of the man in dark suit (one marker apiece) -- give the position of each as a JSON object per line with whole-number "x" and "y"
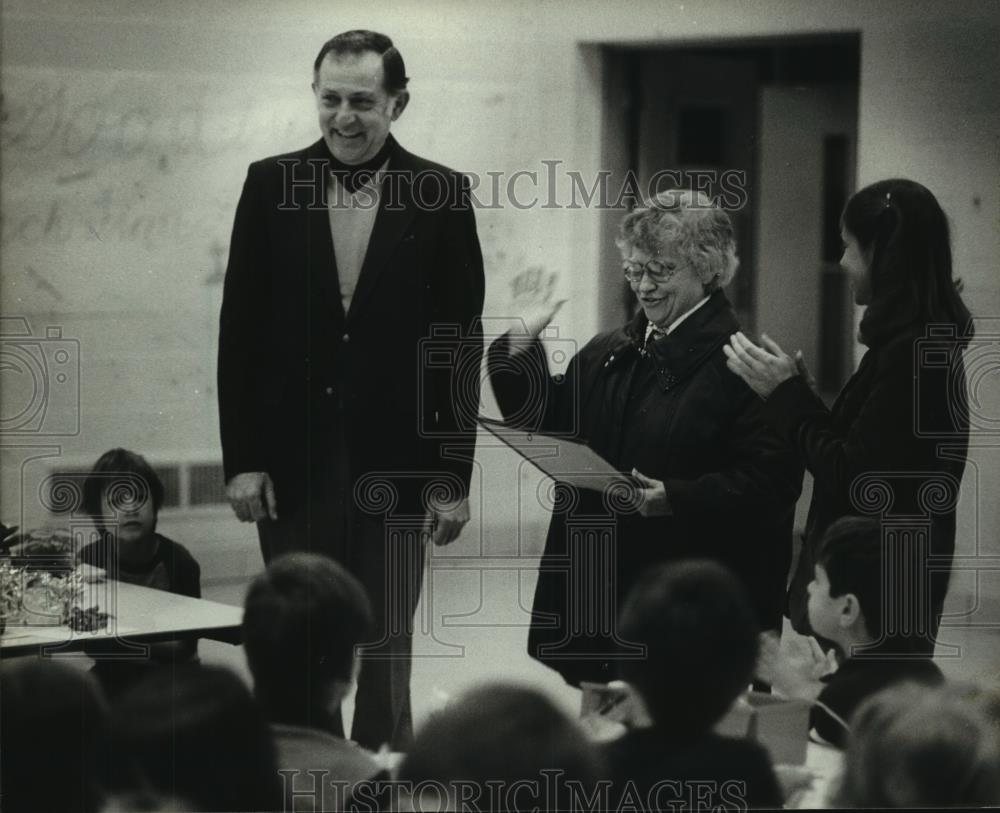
{"x": 352, "y": 294}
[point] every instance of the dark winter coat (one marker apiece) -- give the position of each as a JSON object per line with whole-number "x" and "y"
{"x": 678, "y": 415}
{"x": 894, "y": 447}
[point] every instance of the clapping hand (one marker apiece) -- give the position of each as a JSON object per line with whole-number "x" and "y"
{"x": 763, "y": 368}
{"x": 794, "y": 664}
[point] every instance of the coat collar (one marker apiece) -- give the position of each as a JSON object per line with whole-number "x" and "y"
{"x": 694, "y": 341}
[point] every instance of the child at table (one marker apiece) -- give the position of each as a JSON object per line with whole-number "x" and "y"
{"x": 700, "y": 634}
{"x": 847, "y": 605}
{"x": 303, "y": 619}
{"x": 123, "y": 494}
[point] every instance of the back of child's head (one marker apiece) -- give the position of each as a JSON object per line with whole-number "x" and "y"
{"x": 303, "y": 618}
{"x": 699, "y": 631}
{"x": 195, "y": 733}
{"x": 53, "y": 731}
{"x": 918, "y": 746}
{"x": 505, "y": 735}
{"x": 125, "y": 477}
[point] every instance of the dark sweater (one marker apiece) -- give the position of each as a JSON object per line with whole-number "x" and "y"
{"x": 856, "y": 680}
{"x": 172, "y": 569}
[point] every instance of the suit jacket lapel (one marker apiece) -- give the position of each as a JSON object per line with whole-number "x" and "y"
{"x": 395, "y": 213}
{"x": 321, "y": 260}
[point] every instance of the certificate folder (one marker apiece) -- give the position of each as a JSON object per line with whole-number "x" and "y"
{"x": 564, "y": 460}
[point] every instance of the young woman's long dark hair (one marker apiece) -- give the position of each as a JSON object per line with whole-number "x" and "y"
{"x": 902, "y": 226}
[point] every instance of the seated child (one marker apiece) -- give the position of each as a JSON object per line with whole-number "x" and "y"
{"x": 194, "y": 734}
{"x": 846, "y": 607}
{"x": 124, "y": 495}
{"x": 700, "y": 633}
{"x": 915, "y": 746}
{"x": 501, "y": 747}
{"x": 303, "y": 618}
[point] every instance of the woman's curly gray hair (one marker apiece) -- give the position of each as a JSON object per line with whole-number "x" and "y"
{"x": 689, "y": 225}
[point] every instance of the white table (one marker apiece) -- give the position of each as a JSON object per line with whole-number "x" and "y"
{"x": 136, "y": 614}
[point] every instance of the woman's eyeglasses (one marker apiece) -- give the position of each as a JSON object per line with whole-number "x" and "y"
{"x": 657, "y": 270}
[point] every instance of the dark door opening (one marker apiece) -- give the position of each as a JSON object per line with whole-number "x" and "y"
{"x": 775, "y": 120}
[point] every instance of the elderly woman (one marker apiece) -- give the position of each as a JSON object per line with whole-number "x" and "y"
{"x": 653, "y": 398}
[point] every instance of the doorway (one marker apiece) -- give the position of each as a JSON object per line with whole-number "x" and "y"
{"x": 769, "y": 130}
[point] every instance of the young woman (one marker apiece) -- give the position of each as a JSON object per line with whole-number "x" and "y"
{"x": 894, "y": 444}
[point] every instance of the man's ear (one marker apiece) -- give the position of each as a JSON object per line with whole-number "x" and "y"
{"x": 399, "y": 103}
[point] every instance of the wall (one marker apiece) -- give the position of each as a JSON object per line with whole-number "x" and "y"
{"x": 127, "y": 127}
{"x": 793, "y": 123}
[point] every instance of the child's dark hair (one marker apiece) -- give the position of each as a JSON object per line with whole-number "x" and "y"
{"x": 54, "y": 730}
{"x": 700, "y": 633}
{"x": 195, "y": 732}
{"x": 303, "y": 618}
{"x": 851, "y": 554}
{"x": 121, "y": 473}
{"x": 506, "y": 735}
{"x": 903, "y": 226}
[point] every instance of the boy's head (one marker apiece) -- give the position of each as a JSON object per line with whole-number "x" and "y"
{"x": 54, "y": 730}
{"x": 302, "y": 620}
{"x": 194, "y": 732}
{"x": 845, "y": 595}
{"x": 123, "y": 490}
{"x": 503, "y": 735}
{"x": 700, "y": 633}
{"x": 915, "y": 746}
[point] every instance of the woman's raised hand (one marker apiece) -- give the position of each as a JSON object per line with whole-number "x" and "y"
{"x": 533, "y": 301}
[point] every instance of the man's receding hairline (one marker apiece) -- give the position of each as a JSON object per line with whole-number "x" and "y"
{"x": 350, "y": 56}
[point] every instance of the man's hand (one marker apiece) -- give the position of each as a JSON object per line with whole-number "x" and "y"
{"x": 251, "y": 494}
{"x": 444, "y": 523}
{"x": 652, "y": 497}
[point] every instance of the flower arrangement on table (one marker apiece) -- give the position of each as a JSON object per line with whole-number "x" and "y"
{"x": 38, "y": 582}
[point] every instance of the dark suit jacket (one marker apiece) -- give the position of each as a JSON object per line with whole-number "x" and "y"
{"x": 309, "y": 393}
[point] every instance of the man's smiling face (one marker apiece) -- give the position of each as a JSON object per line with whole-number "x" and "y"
{"x": 355, "y": 111}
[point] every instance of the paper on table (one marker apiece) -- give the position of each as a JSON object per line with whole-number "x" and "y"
{"x": 561, "y": 459}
